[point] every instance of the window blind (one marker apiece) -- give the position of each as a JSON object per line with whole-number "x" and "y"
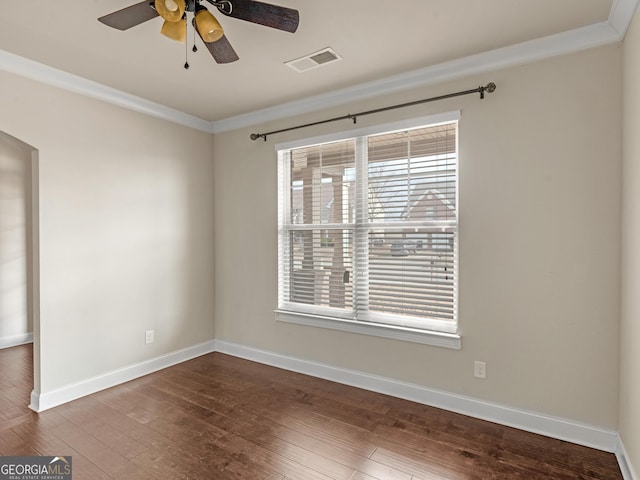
{"x": 317, "y": 233}
{"x": 368, "y": 228}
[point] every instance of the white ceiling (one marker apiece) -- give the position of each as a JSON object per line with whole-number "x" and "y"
{"x": 376, "y": 38}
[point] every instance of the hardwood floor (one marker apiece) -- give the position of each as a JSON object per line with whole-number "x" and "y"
{"x": 220, "y": 417}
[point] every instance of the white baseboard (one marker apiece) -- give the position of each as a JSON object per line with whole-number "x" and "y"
{"x": 15, "y": 340}
{"x": 628, "y": 473}
{"x": 563, "y": 429}
{"x": 559, "y": 428}
{"x": 46, "y": 400}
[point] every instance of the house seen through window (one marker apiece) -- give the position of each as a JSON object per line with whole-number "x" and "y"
{"x": 368, "y": 228}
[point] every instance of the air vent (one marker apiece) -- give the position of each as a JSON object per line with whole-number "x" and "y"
{"x": 314, "y": 60}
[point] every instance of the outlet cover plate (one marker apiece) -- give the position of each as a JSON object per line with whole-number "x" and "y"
{"x": 480, "y": 369}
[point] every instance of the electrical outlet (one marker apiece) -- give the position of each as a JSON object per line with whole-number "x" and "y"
{"x": 480, "y": 369}
{"x": 149, "y": 336}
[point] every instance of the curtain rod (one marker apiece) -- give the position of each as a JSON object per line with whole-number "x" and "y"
{"x": 488, "y": 88}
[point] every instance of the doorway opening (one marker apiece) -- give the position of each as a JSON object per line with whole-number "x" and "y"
{"x": 19, "y": 248}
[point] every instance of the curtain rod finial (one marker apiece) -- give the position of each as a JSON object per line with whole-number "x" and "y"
{"x": 489, "y": 88}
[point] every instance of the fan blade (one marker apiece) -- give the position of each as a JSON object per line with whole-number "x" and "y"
{"x": 130, "y": 16}
{"x": 273, "y": 16}
{"x": 221, "y": 50}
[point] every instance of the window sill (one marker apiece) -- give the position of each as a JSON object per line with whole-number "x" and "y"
{"x": 438, "y": 339}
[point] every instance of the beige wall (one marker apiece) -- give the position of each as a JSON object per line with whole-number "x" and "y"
{"x": 128, "y": 206}
{"x": 630, "y": 323}
{"x": 126, "y": 230}
{"x": 15, "y": 249}
{"x": 540, "y": 176}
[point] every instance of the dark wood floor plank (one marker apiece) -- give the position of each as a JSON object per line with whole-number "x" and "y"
{"x": 351, "y": 396}
{"x": 12, "y": 442}
{"x": 85, "y": 418}
{"x": 320, "y": 462}
{"x": 104, "y": 457}
{"x": 225, "y": 418}
{"x": 265, "y": 429}
{"x": 20, "y": 418}
{"x": 278, "y": 438}
{"x": 46, "y": 443}
{"x": 203, "y": 395}
{"x": 41, "y": 439}
{"x": 457, "y": 450}
{"x": 432, "y": 462}
{"x": 269, "y": 460}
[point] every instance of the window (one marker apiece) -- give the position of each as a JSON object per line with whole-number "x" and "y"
{"x": 368, "y": 229}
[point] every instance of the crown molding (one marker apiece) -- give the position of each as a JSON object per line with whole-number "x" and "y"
{"x": 611, "y": 31}
{"x": 39, "y": 72}
{"x": 591, "y": 36}
{"x": 621, "y": 14}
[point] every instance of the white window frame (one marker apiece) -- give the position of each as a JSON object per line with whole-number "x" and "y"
{"x": 426, "y": 333}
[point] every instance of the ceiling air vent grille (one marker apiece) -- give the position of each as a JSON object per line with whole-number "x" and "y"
{"x": 314, "y": 60}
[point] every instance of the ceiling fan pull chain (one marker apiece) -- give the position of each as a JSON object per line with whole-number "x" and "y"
{"x": 194, "y": 49}
{"x": 186, "y": 54}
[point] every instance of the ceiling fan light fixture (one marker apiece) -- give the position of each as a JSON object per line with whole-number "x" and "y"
{"x": 170, "y": 10}
{"x": 175, "y": 30}
{"x": 208, "y": 26}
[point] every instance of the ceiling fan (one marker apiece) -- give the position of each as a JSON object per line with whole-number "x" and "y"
{"x": 174, "y": 13}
